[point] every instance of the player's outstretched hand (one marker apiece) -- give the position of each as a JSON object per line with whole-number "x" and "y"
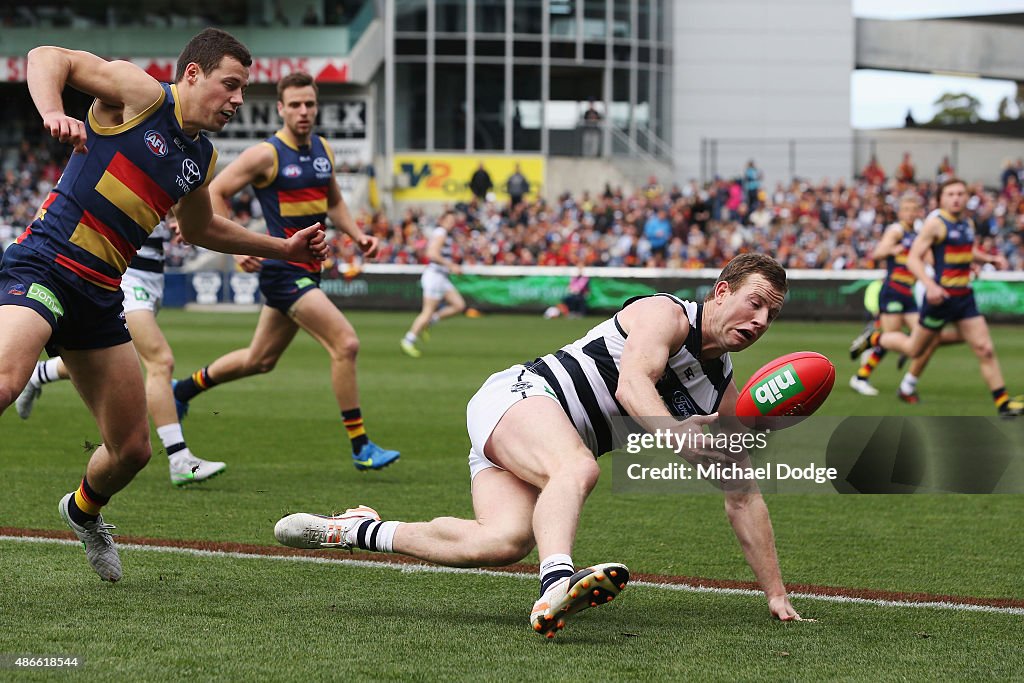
{"x": 66, "y": 129}
{"x": 308, "y": 244}
{"x": 692, "y": 429}
{"x": 368, "y": 244}
{"x": 250, "y": 264}
{"x": 782, "y": 610}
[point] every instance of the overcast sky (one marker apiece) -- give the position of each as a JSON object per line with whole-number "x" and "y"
{"x": 873, "y": 104}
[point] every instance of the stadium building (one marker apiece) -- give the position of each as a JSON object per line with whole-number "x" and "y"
{"x": 578, "y": 92}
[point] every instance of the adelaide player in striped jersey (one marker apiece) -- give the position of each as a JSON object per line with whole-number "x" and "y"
{"x": 140, "y": 151}
{"x": 292, "y": 174}
{"x": 948, "y": 234}
{"x": 537, "y": 427}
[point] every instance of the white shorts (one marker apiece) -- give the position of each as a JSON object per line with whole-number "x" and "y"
{"x": 143, "y": 291}
{"x": 435, "y": 284}
{"x": 501, "y": 391}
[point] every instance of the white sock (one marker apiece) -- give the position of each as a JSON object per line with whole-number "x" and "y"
{"x": 376, "y": 536}
{"x": 434, "y": 319}
{"x": 46, "y": 372}
{"x": 554, "y": 568}
{"x": 173, "y": 440}
{"x": 410, "y": 337}
{"x": 909, "y": 384}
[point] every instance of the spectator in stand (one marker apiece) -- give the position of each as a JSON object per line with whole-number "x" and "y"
{"x": 944, "y": 172}
{"x": 752, "y": 178}
{"x": 480, "y": 184}
{"x": 905, "y": 172}
{"x": 873, "y": 173}
{"x": 518, "y": 187}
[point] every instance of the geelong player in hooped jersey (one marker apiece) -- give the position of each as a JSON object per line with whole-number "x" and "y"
{"x": 293, "y": 175}
{"x": 948, "y": 235}
{"x": 536, "y": 428}
{"x": 140, "y": 151}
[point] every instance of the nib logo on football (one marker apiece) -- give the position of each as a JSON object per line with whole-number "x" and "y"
{"x": 778, "y": 387}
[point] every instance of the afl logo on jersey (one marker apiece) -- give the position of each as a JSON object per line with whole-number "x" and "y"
{"x": 156, "y": 143}
{"x": 291, "y": 171}
{"x": 321, "y": 165}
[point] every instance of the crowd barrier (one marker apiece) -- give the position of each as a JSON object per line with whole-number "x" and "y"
{"x": 813, "y": 295}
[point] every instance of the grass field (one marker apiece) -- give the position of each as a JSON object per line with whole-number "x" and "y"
{"x": 177, "y": 616}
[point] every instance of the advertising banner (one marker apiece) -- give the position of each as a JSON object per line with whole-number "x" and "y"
{"x": 445, "y": 177}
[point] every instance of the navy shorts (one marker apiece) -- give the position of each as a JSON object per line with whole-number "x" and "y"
{"x": 81, "y": 315}
{"x": 892, "y": 302}
{"x": 949, "y": 311}
{"x": 283, "y": 285}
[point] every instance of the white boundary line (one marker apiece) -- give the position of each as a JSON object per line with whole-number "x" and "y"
{"x": 430, "y": 568}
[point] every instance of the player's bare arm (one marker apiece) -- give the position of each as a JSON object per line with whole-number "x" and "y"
{"x": 889, "y": 245}
{"x": 199, "y": 225}
{"x": 932, "y": 231}
{"x": 122, "y": 90}
{"x": 342, "y": 219}
{"x": 655, "y": 328}
{"x": 254, "y": 165}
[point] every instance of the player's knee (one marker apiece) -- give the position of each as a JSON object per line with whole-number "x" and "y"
{"x": 261, "y": 366}
{"x": 134, "y": 452}
{"x": 459, "y": 306}
{"x": 162, "y": 365}
{"x": 7, "y": 394}
{"x": 984, "y": 350}
{"x": 504, "y": 549}
{"x": 345, "y": 348}
{"x": 582, "y": 471}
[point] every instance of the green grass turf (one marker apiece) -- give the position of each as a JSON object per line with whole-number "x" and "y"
{"x": 182, "y": 618}
{"x": 286, "y": 451}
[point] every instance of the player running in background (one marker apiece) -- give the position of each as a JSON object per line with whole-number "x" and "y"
{"x": 897, "y": 305}
{"x": 143, "y": 288}
{"x": 292, "y": 174}
{"x": 949, "y": 236}
{"x": 536, "y": 429}
{"x": 140, "y": 152}
{"x": 437, "y": 287}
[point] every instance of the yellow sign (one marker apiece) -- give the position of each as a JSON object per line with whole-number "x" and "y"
{"x": 445, "y": 177}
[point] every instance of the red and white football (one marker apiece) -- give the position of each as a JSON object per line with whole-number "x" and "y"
{"x": 786, "y": 390}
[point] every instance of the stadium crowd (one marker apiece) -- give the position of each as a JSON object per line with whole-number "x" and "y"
{"x": 823, "y": 225}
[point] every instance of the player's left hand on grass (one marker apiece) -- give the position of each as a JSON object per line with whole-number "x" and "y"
{"x": 308, "y": 244}
{"x": 782, "y": 610}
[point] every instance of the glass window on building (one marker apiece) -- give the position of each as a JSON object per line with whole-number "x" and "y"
{"x": 642, "y": 110}
{"x": 661, "y": 120}
{"x": 527, "y": 110}
{"x": 563, "y": 18}
{"x": 450, "y": 106}
{"x": 529, "y": 16}
{"x": 595, "y": 25}
{"x": 619, "y": 113}
{"x": 621, "y": 19}
{"x": 490, "y": 16}
{"x": 450, "y": 16}
{"x": 410, "y": 106}
{"x": 411, "y": 15}
{"x": 643, "y": 20}
{"x": 489, "y": 104}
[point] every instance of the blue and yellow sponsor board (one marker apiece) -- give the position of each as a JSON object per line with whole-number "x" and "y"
{"x": 445, "y": 177}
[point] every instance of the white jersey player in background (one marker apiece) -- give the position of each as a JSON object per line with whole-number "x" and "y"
{"x": 436, "y": 285}
{"x": 537, "y": 428}
{"x": 143, "y": 288}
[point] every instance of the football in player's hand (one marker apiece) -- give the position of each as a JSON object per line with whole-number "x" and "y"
{"x": 786, "y": 390}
